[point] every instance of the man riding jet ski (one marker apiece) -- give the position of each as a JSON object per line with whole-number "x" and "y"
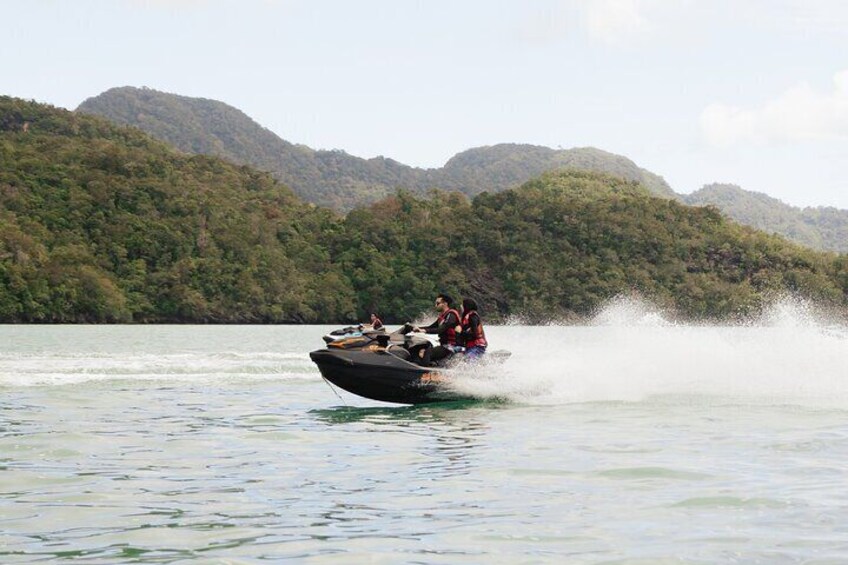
{"x": 447, "y": 326}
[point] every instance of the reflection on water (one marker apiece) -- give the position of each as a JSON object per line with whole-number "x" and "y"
{"x": 450, "y": 431}
{"x": 391, "y": 414}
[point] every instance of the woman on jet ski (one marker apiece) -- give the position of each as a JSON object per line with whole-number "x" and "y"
{"x": 376, "y": 322}
{"x": 472, "y": 334}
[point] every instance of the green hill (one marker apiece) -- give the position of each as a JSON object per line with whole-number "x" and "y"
{"x": 495, "y": 168}
{"x": 564, "y": 243}
{"x": 821, "y": 228}
{"x": 101, "y": 223}
{"x": 334, "y": 178}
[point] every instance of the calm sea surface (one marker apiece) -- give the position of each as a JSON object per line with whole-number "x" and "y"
{"x": 626, "y": 441}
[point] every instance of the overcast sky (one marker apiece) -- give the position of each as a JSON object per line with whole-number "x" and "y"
{"x": 750, "y": 92}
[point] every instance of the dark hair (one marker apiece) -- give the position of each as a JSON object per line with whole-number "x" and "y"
{"x": 468, "y": 304}
{"x": 446, "y": 299}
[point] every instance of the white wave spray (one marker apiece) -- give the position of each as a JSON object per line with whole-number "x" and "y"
{"x": 631, "y": 353}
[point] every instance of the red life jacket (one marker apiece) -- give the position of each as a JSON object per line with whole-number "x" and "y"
{"x": 451, "y": 333}
{"x": 479, "y": 337}
{"x": 378, "y": 323}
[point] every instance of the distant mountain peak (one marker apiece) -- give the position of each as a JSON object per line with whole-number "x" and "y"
{"x": 334, "y": 178}
{"x": 824, "y": 228}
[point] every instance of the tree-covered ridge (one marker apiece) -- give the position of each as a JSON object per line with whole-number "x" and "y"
{"x": 822, "y": 228}
{"x": 334, "y": 178}
{"x": 102, "y": 223}
{"x": 563, "y": 244}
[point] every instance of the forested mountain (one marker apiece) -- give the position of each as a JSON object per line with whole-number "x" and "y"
{"x": 100, "y": 222}
{"x": 334, "y": 178}
{"x": 565, "y": 242}
{"x": 822, "y": 228}
{"x": 342, "y": 182}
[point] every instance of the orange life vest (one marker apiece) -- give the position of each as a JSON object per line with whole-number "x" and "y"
{"x": 479, "y": 337}
{"x": 451, "y": 333}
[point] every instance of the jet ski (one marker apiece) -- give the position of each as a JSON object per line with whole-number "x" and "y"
{"x": 386, "y": 366}
{"x": 349, "y": 331}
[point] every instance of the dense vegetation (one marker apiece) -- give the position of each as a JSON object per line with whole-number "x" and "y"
{"x": 102, "y": 223}
{"x": 822, "y": 228}
{"x": 334, "y": 178}
{"x": 566, "y": 242}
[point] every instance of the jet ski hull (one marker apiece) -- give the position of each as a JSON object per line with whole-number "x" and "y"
{"x": 379, "y": 375}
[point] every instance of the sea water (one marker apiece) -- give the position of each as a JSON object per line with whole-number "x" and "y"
{"x": 626, "y": 440}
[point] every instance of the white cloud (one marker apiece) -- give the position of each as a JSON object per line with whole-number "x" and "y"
{"x": 615, "y": 21}
{"x": 190, "y": 4}
{"x": 547, "y": 24}
{"x": 624, "y": 22}
{"x": 798, "y": 114}
{"x": 811, "y": 16}
{"x": 168, "y": 3}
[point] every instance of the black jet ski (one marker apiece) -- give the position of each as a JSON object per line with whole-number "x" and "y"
{"x": 349, "y": 331}
{"x": 385, "y": 366}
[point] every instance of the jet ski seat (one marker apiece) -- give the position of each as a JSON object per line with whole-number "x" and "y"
{"x": 418, "y": 353}
{"x": 399, "y": 352}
